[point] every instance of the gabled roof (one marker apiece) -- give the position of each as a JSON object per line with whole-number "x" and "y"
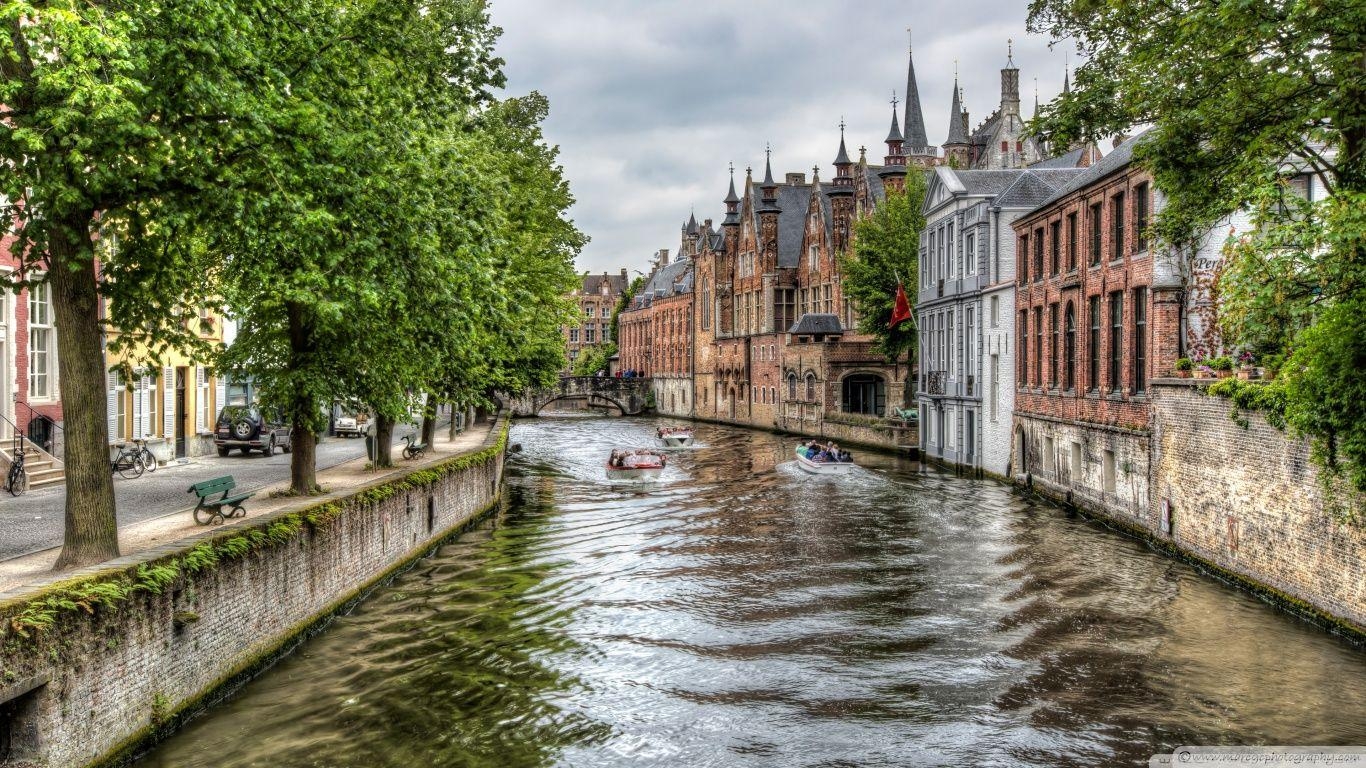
{"x": 1117, "y": 160}
{"x": 1035, "y": 186}
{"x": 813, "y": 323}
{"x": 662, "y": 283}
{"x": 616, "y": 283}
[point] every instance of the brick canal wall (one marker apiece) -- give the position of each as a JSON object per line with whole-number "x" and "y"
{"x": 100, "y": 663}
{"x": 1249, "y": 501}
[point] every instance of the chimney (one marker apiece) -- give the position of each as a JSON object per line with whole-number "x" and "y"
{"x": 707, "y": 224}
{"x": 793, "y": 179}
{"x": 623, "y": 273}
{"x": 1120, "y": 139}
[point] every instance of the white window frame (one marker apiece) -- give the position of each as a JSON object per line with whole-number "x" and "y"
{"x": 40, "y": 296}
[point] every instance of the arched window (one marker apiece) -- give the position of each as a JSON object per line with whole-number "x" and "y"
{"x": 791, "y": 386}
{"x": 864, "y": 393}
{"x": 1070, "y": 347}
{"x": 811, "y": 387}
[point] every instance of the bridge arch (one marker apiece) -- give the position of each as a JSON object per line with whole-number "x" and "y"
{"x": 629, "y": 396}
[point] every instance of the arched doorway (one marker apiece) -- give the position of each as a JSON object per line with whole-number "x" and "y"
{"x": 864, "y": 393}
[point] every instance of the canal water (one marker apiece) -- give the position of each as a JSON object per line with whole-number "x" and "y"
{"x": 740, "y": 613}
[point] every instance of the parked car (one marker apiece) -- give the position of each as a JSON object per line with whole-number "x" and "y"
{"x": 249, "y": 428}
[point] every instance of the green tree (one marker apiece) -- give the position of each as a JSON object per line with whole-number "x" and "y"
{"x": 595, "y": 358}
{"x": 119, "y": 120}
{"x": 886, "y": 254}
{"x": 1242, "y": 96}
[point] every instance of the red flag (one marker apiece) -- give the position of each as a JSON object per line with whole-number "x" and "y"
{"x": 902, "y": 312}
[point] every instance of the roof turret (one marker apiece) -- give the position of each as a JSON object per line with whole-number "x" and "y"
{"x": 957, "y": 134}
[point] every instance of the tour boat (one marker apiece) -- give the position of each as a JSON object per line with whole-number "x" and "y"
{"x": 822, "y": 467}
{"x": 639, "y": 464}
{"x": 675, "y": 437}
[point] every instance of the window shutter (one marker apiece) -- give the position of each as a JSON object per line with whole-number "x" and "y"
{"x": 168, "y": 401}
{"x": 200, "y": 392}
{"x": 220, "y": 397}
{"x": 111, "y": 404}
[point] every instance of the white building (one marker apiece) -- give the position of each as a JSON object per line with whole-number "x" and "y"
{"x": 966, "y": 310}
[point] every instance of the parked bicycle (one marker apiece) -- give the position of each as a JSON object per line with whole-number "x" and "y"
{"x": 17, "y": 480}
{"x": 148, "y": 460}
{"x": 128, "y": 464}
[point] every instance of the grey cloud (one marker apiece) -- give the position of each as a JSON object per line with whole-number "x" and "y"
{"x": 651, "y": 100}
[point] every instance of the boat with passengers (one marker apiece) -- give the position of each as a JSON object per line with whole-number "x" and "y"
{"x": 635, "y": 464}
{"x": 823, "y": 458}
{"x": 675, "y": 437}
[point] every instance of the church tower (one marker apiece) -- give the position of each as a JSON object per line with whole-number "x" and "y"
{"x": 917, "y": 144}
{"x": 956, "y": 148}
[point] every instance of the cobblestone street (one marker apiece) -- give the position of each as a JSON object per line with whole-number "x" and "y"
{"x": 33, "y": 521}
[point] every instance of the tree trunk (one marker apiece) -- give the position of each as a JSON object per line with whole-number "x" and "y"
{"x": 429, "y": 419}
{"x": 384, "y": 441}
{"x": 303, "y": 465}
{"x": 91, "y": 525}
{"x": 454, "y": 408}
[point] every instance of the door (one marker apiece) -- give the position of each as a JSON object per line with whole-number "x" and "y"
{"x": 970, "y": 437}
{"x": 180, "y": 414}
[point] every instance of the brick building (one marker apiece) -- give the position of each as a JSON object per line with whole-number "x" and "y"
{"x": 1100, "y": 312}
{"x": 30, "y": 399}
{"x": 656, "y": 328}
{"x": 774, "y": 343}
{"x": 595, "y": 298}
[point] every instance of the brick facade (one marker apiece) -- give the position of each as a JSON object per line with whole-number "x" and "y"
{"x": 594, "y": 300}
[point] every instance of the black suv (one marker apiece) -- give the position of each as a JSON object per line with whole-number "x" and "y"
{"x": 248, "y": 428}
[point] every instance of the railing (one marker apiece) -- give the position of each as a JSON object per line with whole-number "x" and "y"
{"x": 50, "y": 437}
{"x": 935, "y": 382}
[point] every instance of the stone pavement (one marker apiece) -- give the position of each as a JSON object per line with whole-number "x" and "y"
{"x": 161, "y": 513}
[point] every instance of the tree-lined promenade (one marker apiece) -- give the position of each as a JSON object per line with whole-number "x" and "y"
{"x": 337, "y": 175}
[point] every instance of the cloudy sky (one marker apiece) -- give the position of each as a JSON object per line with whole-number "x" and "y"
{"x": 650, "y": 99}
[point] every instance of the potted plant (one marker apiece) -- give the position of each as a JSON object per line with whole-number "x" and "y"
{"x": 1246, "y": 370}
{"x": 1223, "y": 366}
{"x": 1184, "y": 367}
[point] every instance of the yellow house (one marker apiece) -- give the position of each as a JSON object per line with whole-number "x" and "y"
{"x": 173, "y": 403}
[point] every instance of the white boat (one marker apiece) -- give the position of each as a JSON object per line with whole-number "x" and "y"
{"x": 822, "y": 467}
{"x": 675, "y": 438}
{"x": 634, "y": 465}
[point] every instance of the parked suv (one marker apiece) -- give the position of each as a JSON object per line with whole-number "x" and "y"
{"x": 251, "y": 429}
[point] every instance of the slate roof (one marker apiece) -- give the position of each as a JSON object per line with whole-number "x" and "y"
{"x": 916, "y": 140}
{"x": 813, "y": 323}
{"x": 793, "y": 202}
{"x": 661, "y": 283}
{"x": 875, "y": 186}
{"x": 1034, "y": 186}
{"x": 1068, "y": 160}
{"x": 590, "y": 284}
{"x": 956, "y": 135}
{"x": 987, "y": 182}
{"x": 1117, "y": 160}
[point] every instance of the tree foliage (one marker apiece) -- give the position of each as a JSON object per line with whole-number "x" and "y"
{"x": 1242, "y": 97}
{"x": 337, "y": 174}
{"x": 886, "y": 253}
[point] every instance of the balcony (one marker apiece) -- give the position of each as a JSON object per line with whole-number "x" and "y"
{"x": 935, "y": 381}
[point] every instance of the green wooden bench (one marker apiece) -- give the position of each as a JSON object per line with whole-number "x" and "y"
{"x": 210, "y": 510}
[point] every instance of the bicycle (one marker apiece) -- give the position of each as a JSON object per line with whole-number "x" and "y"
{"x": 17, "y": 480}
{"x": 128, "y": 464}
{"x": 148, "y": 460}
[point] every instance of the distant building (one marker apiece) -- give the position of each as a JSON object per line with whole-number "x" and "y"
{"x": 595, "y": 298}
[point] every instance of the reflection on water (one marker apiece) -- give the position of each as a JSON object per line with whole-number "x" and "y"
{"x": 741, "y": 613}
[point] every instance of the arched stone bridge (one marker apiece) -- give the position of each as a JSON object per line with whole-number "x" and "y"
{"x": 630, "y": 396}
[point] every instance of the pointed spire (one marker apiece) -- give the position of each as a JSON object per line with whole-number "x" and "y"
{"x": 916, "y": 140}
{"x": 1010, "y": 53}
{"x": 768, "y": 167}
{"x": 732, "y": 202}
{"x": 1066, "y": 76}
{"x": 1036, "y": 99}
{"x": 843, "y": 157}
{"x": 691, "y": 226}
{"x": 894, "y": 135}
{"x": 956, "y": 132}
